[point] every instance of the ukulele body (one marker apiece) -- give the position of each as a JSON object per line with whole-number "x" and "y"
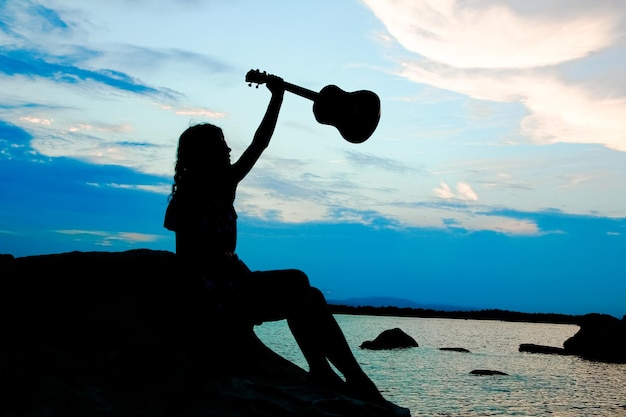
{"x": 355, "y": 114}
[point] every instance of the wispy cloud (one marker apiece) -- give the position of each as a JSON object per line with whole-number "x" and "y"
{"x": 157, "y": 189}
{"x": 19, "y": 19}
{"x": 370, "y": 218}
{"x": 37, "y": 120}
{"x": 497, "y": 224}
{"x": 363, "y": 159}
{"x": 149, "y": 59}
{"x": 14, "y": 141}
{"x": 104, "y": 238}
{"x": 200, "y": 112}
{"x": 101, "y": 127}
{"x": 28, "y": 63}
{"x": 40, "y": 42}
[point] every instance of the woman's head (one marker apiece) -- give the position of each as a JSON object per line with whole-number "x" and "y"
{"x": 202, "y": 146}
{"x": 202, "y": 152}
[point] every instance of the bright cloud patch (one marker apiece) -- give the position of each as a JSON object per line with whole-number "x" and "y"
{"x": 36, "y": 120}
{"x": 499, "y": 53}
{"x": 473, "y": 221}
{"x": 476, "y": 34}
{"x": 157, "y": 189}
{"x": 201, "y": 112}
{"x": 463, "y": 192}
{"x": 498, "y": 224}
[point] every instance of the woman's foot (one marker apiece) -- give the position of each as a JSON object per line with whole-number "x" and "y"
{"x": 326, "y": 379}
{"x": 363, "y": 388}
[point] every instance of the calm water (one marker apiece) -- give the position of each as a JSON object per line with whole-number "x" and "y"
{"x": 431, "y": 382}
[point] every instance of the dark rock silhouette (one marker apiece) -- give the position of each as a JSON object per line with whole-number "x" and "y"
{"x": 601, "y": 338}
{"x": 453, "y": 349}
{"x": 533, "y": 348}
{"x": 486, "y": 372}
{"x": 117, "y": 334}
{"x": 390, "y": 339}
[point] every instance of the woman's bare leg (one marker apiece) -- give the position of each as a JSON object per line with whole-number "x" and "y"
{"x": 337, "y": 350}
{"x": 287, "y": 294}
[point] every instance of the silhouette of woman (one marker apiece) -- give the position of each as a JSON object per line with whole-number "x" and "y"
{"x": 201, "y": 213}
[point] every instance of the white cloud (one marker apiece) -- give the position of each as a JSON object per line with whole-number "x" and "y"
{"x": 201, "y": 112}
{"x": 478, "y": 34}
{"x": 493, "y": 52}
{"x": 444, "y": 191}
{"x": 37, "y": 120}
{"x": 562, "y": 113}
{"x": 463, "y": 192}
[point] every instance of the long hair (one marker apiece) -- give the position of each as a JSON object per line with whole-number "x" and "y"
{"x": 199, "y": 148}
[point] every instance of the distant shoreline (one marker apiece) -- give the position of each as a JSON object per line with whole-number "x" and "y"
{"x": 491, "y": 314}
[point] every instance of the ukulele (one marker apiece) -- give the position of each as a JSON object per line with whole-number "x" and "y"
{"x": 354, "y": 114}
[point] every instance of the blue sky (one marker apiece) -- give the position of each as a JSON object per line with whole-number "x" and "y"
{"x": 495, "y": 179}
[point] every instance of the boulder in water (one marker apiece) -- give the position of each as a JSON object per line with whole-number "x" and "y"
{"x": 483, "y": 372}
{"x": 390, "y": 339}
{"x": 455, "y": 349}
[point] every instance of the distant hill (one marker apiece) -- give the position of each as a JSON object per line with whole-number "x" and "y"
{"x": 491, "y": 314}
{"x": 395, "y": 302}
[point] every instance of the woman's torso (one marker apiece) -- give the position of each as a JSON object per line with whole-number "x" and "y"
{"x": 205, "y": 225}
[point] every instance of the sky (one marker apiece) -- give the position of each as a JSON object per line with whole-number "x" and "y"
{"x": 496, "y": 177}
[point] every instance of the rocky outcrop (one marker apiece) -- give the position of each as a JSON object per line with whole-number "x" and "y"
{"x": 119, "y": 334}
{"x": 601, "y": 338}
{"x": 390, "y": 339}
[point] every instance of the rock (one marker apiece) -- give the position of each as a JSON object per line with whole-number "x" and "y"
{"x": 486, "y": 372}
{"x": 601, "y": 337}
{"x": 119, "y": 334}
{"x": 390, "y": 339}
{"x": 549, "y": 350}
{"x": 453, "y": 349}
{"x": 532, "y": 348}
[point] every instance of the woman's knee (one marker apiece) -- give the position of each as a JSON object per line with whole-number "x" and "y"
{"x": 299, "y": 278}
{"x": 317, "y": 296}
{"x": 302, "y": 282}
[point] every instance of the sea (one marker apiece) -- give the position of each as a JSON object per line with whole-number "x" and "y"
{"x": 434, "y": 382}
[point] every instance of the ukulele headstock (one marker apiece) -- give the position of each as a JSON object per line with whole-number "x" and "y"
{"x": 257, "y": 77}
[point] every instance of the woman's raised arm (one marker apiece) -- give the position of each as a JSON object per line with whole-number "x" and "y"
{"x": 264, "y": 132}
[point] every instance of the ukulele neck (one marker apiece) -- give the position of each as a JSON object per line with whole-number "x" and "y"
{"x": 301, "y": 91}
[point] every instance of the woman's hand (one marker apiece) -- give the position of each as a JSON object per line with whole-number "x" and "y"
{"x": 275, "y": 84}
